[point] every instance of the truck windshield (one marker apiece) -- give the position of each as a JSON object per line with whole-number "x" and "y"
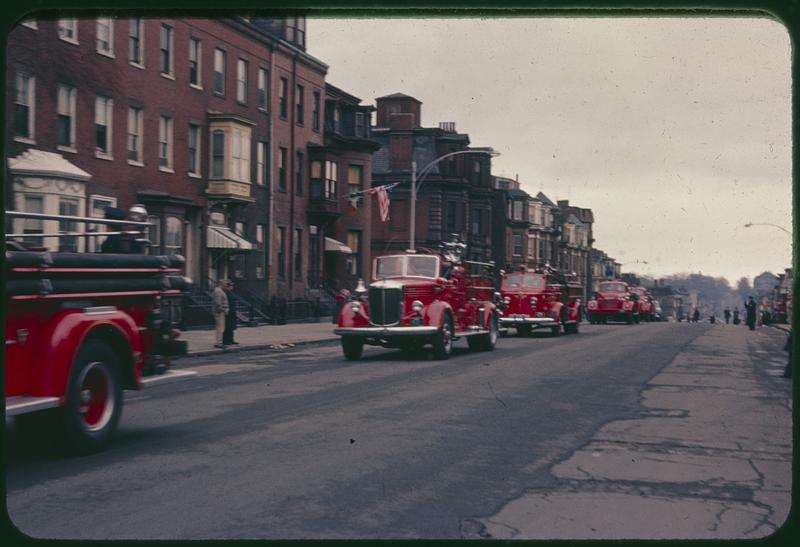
{"x": 399, "y": 266}
{"x": 524, "y": 281}
{"x": 611, "y": 287}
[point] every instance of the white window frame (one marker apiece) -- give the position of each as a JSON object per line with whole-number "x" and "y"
{"x": 212, "y": 151}
{"x": 263, "y": 89}
{"x": 240, "y": 155}
{"x": 261, "y": 155}
{"x": 165, "y": 143}
{"x": 104, "y": 110}
{"x": 219, "y": 68}
{"x": 136, "y": 129}
{"x": 514, "y": 244}
{"x": 241, "y": 81}
{"x": 139, "y": 25}
{"x": 260, "y": 234}
{"x": 194, "y": 129}
{"x": 102, "y": 23}
{"x": 30, "y": 103}
{"x": 196, "y": 50}
{"x": 68, "y": 30}
{"x": 170, "y": 48}
{"x": 67, "y": 108}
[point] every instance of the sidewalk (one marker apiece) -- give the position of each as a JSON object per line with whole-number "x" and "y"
{"x": 201, "y": 342}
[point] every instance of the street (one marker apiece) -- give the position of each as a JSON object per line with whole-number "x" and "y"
{"x": 657, "y": 430}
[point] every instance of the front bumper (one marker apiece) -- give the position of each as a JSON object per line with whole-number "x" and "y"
{"x": 384, "y": 332}
{"x": 525, "y": 320}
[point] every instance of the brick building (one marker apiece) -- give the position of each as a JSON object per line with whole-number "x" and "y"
{"x": 208, "y": 123}
{"x": 576, "y": 242}
{"x": 455, "y": 197}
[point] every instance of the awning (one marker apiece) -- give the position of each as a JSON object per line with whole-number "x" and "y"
{"x": 336, "y": 246}
{"x": 222, "y": 237}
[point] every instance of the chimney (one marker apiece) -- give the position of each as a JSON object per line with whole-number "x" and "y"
{"x": 449, "y": 127}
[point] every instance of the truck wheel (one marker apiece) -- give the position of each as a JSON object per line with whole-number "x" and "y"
{"x": 556, "y": 330}
{"x": 524, "y": 330}
{"x": 443, "y": 339}
{"x": 489, "y": 340}
{"x": 629, "y": 319}
{"x": 94, "y": 398}
{"x": 352, "y": 347}
{"x": 636, "y": 318}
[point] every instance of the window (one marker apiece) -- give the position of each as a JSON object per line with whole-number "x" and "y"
{"x": 135, "y": 38}
{"x": 517, "y": 210}
{"x": 166, "y": 50}
{"x": 355, "y": 179}
{"x": 68, "y": 207}
{"x": 238, "y": 228}
{"x": 195, "y": 56}
{"x": 298, "y": 173}
{"x": 283, "y": 106}
{"x": 68, "y": 30}
{"x": 296, "y": 30}
{"x": 541, "y": 249}
{"x": 23, "y": 106}
{"x": 354, "y": 260}
{"x": 476, "y": 171}
{"x": 103, "y": 113}
{"x": 105, "y": 36}
{"x": 261, "y": 166}
{"x": 194, "y": 149}
{"x": 477, "y": 222}
{"x": 240, "y": 155}
{"x": 97, "y": 209}
{"x": 450, "y": 219}
{"x": 66, "y": 116}
{"x": 218, "y": 154}
{"x": 263, "y": 98}
{"x": 165, "y": 142}
{"x": 219, "y": 72}
{"x": 241, "y": 81}
{"x": 298, "y": 253}
{"x": 154, "y": 234}
{"x": 331, "y": 177}
{"x": 135, "y": 116}
{"x": 282, "y": 169}
{"x": 173, "y": 236}
{"x": 281, "y": 252}
{"x": 517, "y": 239}
{"x": 260, "y": 235}
{"x": 33, "y": 204}
{"x": 315, "y": 112}
{"x": 361, "y": 129}
{"x": 531, "y": 247}
{"x": 300, "y": 103}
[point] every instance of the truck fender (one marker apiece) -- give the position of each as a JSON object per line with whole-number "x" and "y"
{"x": 555, "y": 310}
{"x": 434, "y": 314}
{"x": 350, "y": 318}
{"x": 61, "y": 340}
{"x": 489, "y": 309}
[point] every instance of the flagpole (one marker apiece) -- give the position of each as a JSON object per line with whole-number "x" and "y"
{"x": 413, "y": 204}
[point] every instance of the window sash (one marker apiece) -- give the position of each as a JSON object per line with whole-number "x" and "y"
{"x": 194, "y": 148}
{"x": 165, "y": 142}
{"x": 262, "y": 89}
{"x": 134, "y": 134}
{"x": 166, "y": 49}
{"x": 219, "y": 71}
{"x": 194, "y": 61}
{"x": 103, "y": 116}
{"x": 105, "y": 35}
{"x": 218, "y": 154}
{"x": 135, "y": 40}
{"x": 241, "y": 81}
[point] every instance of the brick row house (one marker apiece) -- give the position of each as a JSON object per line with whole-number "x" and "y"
{"x": 211, "y": 124}
{"x": 455, "y": 193}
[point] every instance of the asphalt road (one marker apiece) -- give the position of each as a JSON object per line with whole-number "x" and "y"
{"x": 304, "y": 444}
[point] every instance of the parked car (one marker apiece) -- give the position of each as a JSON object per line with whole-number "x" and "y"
{"x": 612, "y": 301}
{"x": 537, "y": 299}
{"x": 418, "y": 299}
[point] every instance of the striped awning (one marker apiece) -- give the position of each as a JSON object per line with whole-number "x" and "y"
{"x": 331, "y": 245}
{"x": 222, "y": 237}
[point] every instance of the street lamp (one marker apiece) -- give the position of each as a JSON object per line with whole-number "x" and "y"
{"x": 416, "y": 181}
{"x": 787, "y": 232}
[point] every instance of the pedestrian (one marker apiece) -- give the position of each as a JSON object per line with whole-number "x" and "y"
{"x": 750, "y": 309}
{"x": 727, "y": 315}
{"x": 123, "y": 242}
{"x": 220, "y": 304}
{"x": 787, "y": 372}
{"x": 230, "y": 317}
{"x": 736, "y": 320}
{"x": 696, "y": 317}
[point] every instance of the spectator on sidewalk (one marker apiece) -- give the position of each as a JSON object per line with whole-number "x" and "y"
{"x": 736, "y": 320}
{"x": 727, "y": 315}
{"x": 696, "y": 316}
{"x": 787, "y": 372}
{"x": 220, "y": 305}
{"x": 750, "y": 307}
{"x": 231, "y": 317}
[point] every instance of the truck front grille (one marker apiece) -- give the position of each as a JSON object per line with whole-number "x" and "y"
{"x": 385, "y": 305}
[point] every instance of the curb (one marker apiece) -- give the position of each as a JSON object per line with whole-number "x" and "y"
{"x": 274, "y": 347}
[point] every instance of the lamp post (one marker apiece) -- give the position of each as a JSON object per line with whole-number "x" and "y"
{"x": 787, "y": 232}
{"x": 416, "y": 181}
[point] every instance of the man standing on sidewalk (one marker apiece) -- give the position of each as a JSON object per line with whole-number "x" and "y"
{"x": 232, "y": 318}
{"x": 220, "y": 304}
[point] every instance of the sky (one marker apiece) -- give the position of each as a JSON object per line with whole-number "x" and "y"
{"x": 676, "y": 132}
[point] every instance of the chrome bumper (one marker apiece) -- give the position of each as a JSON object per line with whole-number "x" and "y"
{"x": 539, "y": 321}
{"x": 380, "y": 332}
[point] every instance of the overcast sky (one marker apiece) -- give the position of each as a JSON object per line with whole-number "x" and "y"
{"x": 674, "y": 131}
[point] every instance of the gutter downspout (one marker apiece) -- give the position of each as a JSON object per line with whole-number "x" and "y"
{"x": 270, "y": 178}
{"x": 291, "y": 173}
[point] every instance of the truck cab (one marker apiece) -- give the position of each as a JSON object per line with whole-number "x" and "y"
{"x": 418, "y": 299}
{"x": 540, "y": 299}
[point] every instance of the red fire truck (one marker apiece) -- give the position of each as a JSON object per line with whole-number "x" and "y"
{"x": 643, "y": 309}
{"x": 612, "y": 301}
{"x": 82, "y": 327}
{"x": 417, "y": 299}
{"x": 537, "y": 299}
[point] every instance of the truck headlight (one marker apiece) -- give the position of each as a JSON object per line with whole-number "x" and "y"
{"x": 417, "y": 306}
{"x": 534, "y": 301}
{"x": 506, "y": 300}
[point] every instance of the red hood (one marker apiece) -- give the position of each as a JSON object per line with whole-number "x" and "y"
{"x": 611, "y": 295}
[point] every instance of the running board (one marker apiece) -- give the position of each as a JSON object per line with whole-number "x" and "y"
{"x": 22, "y": 404}
{"x": 458, "y": 335}
{"x": 167, "y": 377}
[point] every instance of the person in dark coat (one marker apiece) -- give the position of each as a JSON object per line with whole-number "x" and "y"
{"x": 230, "y": 318}
{"x": 787, "y": 372}
{"x": 124, "y": 243}
{"x": 736, "y": 320}
{"x": 750, "y": 308}
{"x": 727, "y": 315}
{"x": 696, "y": 317}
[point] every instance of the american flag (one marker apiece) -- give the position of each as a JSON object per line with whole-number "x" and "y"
{"x": 383, "y": 202}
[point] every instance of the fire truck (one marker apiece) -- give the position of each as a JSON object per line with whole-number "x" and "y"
{"x": 417, "y": 299}
{"x": 613, "y": 301}
{"x": 643, "y": 309}
{"x": 540, "y": 299}
{"x": 83, "y": 327}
